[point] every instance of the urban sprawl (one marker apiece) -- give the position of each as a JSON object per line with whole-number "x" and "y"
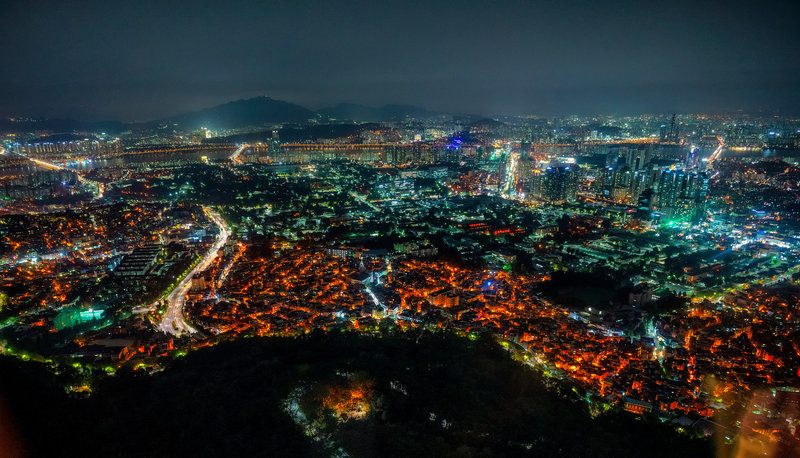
{"x": 652, "y": 262}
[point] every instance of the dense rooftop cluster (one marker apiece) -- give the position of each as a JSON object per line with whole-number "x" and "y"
{"x": 650, "y": 263}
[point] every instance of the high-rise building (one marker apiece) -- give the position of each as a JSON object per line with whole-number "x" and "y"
{"x": 560, "y": 184}
{"x": 638, "y": 157}
{"x": 681, "y": 194}
{"x": 644, "y": 207}
{"x": 528, "y": 178}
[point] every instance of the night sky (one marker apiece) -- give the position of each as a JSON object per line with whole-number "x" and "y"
{"x": 141, "y": 60}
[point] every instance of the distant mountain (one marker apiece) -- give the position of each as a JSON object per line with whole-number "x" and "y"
{"x": 361, "y": 113}
{"x": 60, "y": 125}
{"x": 257, "y": 111}
{"x": 487, "y": 123}
{"x": 254, "y": 112}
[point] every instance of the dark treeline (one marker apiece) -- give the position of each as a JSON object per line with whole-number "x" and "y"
{"x": 459, "y": 397}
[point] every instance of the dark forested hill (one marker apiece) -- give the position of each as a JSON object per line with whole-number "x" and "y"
{"x": 395, "y": 395}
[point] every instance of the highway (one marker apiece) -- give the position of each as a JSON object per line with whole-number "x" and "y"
{"x": 235, "y": 156}
{"x": 173, "y": 321}
{"x": 509, "y": 189}
{"x": 716, "y": 154}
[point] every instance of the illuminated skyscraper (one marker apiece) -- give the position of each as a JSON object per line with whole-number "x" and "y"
{"x": 681, "y": 194}
{"x": 560, "y": 184}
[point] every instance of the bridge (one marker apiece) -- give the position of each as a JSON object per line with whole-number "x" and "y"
{"x": 99, "y": 188}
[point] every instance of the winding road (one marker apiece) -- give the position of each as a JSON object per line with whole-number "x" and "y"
{"x": 173, "y": 321}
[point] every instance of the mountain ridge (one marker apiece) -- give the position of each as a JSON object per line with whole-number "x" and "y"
{"x": 251, "y": 112}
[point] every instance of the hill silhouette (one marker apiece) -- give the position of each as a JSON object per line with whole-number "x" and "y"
{"x": 252, "y": 112}
{"x": 256, "y": 111}
{"x": 429, "y": 395}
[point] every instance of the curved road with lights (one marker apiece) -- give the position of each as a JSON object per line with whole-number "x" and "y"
{"x": 235, "y": 156}
{"x": 173, "y": 321}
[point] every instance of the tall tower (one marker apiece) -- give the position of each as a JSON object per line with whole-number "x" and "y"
{"x": 275, "y": 143}
{"x": 673, "y": 130}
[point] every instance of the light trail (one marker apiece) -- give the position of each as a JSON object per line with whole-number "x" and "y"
{"x": 363, "y": 200}
{"x": 235, "y": 156}
{"x": 715, "y": 155}
{"x": 173, "y": 321}
{"x": 374, "y": 297}
{"x": 511, "y": 175}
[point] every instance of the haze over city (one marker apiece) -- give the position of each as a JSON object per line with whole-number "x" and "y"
{"x": 366, "y": 229}
{"x": 147, "y": 60}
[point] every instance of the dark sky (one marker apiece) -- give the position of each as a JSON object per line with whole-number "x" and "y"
{"x": 141, "y": 60}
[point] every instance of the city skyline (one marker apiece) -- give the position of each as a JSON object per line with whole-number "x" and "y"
{"x": 370, "y": 228}
{"x": 622, "y": 268}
